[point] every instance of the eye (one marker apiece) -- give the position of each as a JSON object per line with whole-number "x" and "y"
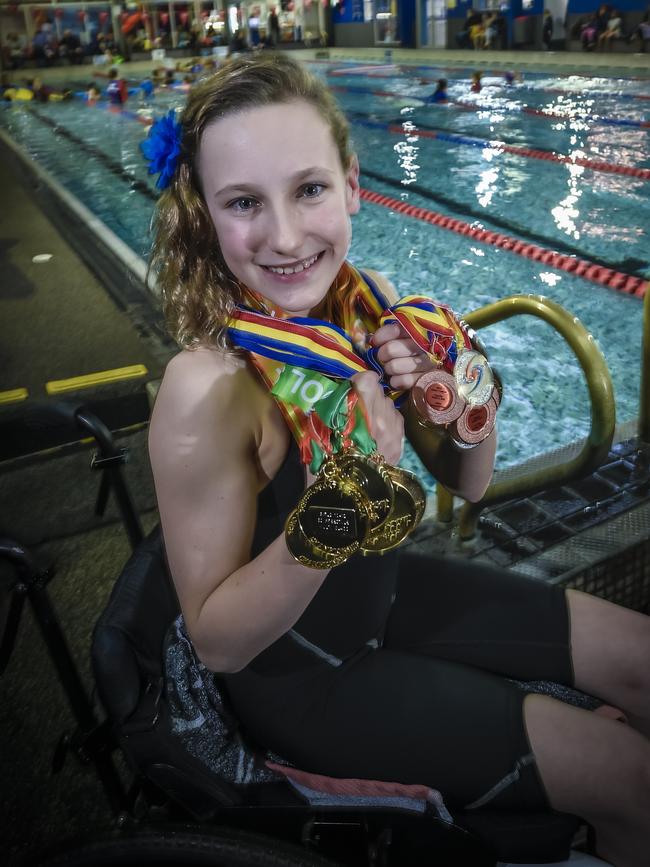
{"x": 312, "y": 191}
{"x": 242, "y": 204}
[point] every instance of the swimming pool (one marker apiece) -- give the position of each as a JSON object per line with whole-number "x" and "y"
{"x": 483, "y": 161}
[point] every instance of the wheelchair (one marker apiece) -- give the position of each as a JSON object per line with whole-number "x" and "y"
{"x": 174, "y": 809}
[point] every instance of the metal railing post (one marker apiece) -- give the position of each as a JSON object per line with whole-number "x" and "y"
{"x": 644, "y": 403}
{"x": 601, "y": 393}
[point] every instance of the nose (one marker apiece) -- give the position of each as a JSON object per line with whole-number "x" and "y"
{"x": 285, "y": 230}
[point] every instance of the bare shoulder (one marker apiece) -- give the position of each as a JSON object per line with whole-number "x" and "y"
{"x": 205, "y": 393}
{"x": 203, "y": 451}
{"x": 384, "y": 284}
{"x": 195, "y": 371}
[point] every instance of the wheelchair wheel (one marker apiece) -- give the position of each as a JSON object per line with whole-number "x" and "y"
{"x": 181, "y": 848}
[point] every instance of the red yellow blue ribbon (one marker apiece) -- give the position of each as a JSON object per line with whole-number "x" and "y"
{"x": 306, "y": 362}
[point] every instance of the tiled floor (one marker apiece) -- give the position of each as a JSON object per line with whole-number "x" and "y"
{"x": 597, "y": 525}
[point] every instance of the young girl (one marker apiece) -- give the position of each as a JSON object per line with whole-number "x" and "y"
{"x": 396, "y": 667}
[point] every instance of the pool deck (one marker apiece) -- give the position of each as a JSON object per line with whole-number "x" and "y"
{"x": 593, "y": 533}
{"x": 559, "y": 62}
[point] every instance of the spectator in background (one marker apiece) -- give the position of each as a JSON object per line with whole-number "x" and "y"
{"x": 477, "y": 33}
{"x": 273, "y": 28}
{"x": 547, "y": 29}
{"x": 297, "y": 23}
{"x": 13, "y": 51}
{"x": 642, "y": 31}
{"x": 254, "y": 28}
{"x": 463, "y": 39}
{"x": 238, "y": 44}
{"x": 595, "y": 26}
{"x": 44, "y": 50}
{"x": 613, "y": 30}
{"x": 70, "y": 47}
{"x": 490, "y": 31}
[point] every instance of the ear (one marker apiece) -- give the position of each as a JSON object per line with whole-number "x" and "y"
{"x": 352, "y": 199}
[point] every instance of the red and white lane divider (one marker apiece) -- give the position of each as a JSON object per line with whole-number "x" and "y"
{"x": 530, "y": 153}
{"x": 617, "y": 280}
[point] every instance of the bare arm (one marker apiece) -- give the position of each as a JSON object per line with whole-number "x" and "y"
{"x": 465, "y": 472}
{"x": 204, "y": 444}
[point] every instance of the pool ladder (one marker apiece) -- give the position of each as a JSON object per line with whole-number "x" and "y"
{"x": 601, "y": 394}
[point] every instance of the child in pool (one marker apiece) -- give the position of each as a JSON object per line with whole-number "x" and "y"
{"x": 440, "y": 93}
{"x": 475, "y": 86}
{"x": 393, "y": 667}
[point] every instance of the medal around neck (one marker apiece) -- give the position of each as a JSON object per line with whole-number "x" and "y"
{"x": 334, "y": 513}
{"x": 307, "y": 553}
{"x": 406, "y": 513}
{"x": 465, "y": 401}
{"x": 371, "y": 475}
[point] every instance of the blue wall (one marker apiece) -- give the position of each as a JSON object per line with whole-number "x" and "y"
{"x": 575, "y": 6}
{"x": 580, "y": 7}
{"x": 406, "y": 23}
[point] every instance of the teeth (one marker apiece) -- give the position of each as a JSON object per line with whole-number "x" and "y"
{"x": 294, "y": 269}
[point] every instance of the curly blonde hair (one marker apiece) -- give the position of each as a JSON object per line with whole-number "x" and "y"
{"x": 198, "y": 290}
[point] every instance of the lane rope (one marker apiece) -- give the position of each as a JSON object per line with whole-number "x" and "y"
{"x": 517, "y": 150}
{"x": 591, "y": 271}
{"x": 616, "y": 280}
{"x": 525, "y": 109}
{"x": 400, "y": 71}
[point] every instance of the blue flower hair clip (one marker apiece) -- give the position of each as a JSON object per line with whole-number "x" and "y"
{"x": 162, "y": 148}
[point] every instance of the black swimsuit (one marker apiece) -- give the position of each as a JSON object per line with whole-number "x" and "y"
{"x": 399, "y": 670}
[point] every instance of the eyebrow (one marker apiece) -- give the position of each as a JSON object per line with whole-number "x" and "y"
{"x": 250, "y": 189}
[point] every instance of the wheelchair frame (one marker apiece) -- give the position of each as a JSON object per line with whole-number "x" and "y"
{"x": 148, "y": 817}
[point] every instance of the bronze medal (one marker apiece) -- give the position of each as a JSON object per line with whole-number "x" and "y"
{"x": 333, "y": 512}
{"x": 403, "y": 517}
{"x": 308, "y": 554}
{"x": 476, "y": 423}
{"x": 371, "y": 476}
{"x": 436, "y": 398}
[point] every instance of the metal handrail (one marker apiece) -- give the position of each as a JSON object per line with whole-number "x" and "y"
{"x": 644, "y": 404}
{"x": 601, "y": 393}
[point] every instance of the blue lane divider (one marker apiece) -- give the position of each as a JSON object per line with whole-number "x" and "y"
{"x": 537, "y": 112}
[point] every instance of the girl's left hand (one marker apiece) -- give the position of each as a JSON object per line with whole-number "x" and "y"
{"x": 403, "y": 361}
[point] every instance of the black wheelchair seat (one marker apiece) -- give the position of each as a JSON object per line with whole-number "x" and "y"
{"x": 128, "y": 660}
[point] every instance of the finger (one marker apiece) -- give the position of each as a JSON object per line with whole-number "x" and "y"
{"x": 366, "y": 384}
{"x": 365, "y": 380}
{"x": 397, "y": 349}
{"x": 408, "y": 364}
{"x": 404, "y": 381}
{"x": 390, "y": 331}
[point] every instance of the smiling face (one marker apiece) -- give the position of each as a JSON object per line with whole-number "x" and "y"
{"x": 280, "y": 201}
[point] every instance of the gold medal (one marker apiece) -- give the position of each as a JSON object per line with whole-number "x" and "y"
{"x": 416, "y": 490}
{"x": 333, "y": 512}
{"x": 308, "y": 554}
{"x": 371, "y": 476}
{"x": 408, "y": 507}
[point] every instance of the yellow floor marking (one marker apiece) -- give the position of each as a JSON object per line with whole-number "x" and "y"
{"x": 14, "y": 395}
{"x": 56, "y": 386}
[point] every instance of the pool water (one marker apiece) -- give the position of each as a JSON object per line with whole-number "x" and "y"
{"x": 595, "y": 215}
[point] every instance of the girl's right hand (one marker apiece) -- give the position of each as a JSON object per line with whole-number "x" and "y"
{"x": 386, "y": 422}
